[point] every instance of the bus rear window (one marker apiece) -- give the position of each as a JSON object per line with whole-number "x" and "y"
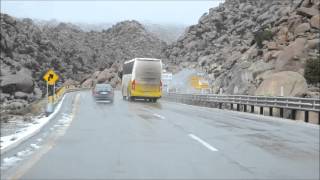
{"x": 148, "y": 68}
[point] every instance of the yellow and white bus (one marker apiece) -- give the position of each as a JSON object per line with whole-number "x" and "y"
{"x": 141, "y": 79}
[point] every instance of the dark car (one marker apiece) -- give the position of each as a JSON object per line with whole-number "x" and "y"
{"x": 103, "y": 92}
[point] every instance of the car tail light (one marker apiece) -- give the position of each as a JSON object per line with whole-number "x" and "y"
{"x": 133, "y": 85}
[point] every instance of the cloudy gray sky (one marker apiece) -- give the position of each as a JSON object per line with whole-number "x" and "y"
{"x": 171, "y": 12}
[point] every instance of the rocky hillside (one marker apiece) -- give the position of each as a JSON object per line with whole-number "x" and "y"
{"x": 253, "y": 47}
{"x": 27, "y": 51}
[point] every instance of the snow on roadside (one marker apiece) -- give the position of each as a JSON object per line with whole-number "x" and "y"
{"x": 24, "y": 153}
{"x": 10, "y": 141}
{"x": 35, "y": 146}
{"x": 10, "y": 161}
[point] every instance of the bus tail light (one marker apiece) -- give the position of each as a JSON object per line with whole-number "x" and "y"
{"x": 133, "y": 85}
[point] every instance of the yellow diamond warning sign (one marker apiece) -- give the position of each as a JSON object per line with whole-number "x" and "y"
{"x": 51, "y": 77}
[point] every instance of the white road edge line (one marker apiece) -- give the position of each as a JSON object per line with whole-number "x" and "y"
{"x": 23, "y": 136}
{"x": 159, "y": 116}
{"x": 202, "y": 142}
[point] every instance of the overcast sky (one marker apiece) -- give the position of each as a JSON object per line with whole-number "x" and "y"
{"x": 172, "y": 12}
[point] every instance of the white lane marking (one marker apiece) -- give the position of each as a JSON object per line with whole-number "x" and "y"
{"x": 203, "y": 142}
{"x": 159, "y": 116}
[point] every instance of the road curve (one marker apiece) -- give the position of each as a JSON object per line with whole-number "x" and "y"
{"x": 165, "y": 140}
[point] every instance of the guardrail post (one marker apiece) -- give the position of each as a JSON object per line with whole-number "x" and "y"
{"x": 245, "y": 108}
{"x": 252, "y": 109}
{"x": 306, "y": 116}
{"x": 238, "y": 107}
{"x": 261, "y": 110}
{"x": 293, "y": 117}
{"x": 231, "y": 106}
{"x": 49, "y": 109}
{"x": 319, "y": 118}
{"x": 270, "y": 111}
{"x": 281, "y": 112}
{"x": 220, "y": 105}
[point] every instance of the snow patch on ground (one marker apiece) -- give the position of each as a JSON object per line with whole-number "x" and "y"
{"x": 24, "y": 153}
{"x": 34, "y": 146}
{"x": 14, "y": 139}
{"x": 10, "y": 161}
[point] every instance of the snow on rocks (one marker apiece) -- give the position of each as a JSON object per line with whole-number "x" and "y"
{"x": 10, "y": 141}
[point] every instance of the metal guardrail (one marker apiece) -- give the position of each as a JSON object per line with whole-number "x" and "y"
{"x": 290, "y": 103}
{"x": 53, "y": 100}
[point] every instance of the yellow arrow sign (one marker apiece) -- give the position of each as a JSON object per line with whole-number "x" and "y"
{"x": 51, "y": 77}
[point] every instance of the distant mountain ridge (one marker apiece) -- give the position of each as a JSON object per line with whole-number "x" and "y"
{"x": 166, "y": 32}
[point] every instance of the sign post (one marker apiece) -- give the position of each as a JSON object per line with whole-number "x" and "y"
{"x": 54, "y": 92}
{"x": 47, "y": 92}
{"x": 50, "y": 77}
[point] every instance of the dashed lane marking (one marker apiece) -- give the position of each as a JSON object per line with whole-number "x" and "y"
{"x": 159, "y": 116}
{"x": 205, "y": 144}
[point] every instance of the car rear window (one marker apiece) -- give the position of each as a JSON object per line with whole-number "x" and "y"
{"x": 103, "y": 87}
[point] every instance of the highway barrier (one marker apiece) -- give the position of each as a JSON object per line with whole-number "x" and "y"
{"x": 53, "y": 100}
{"x": 248, "y": 103}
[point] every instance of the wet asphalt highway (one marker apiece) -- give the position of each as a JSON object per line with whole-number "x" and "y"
{"x": 165, "y": 140}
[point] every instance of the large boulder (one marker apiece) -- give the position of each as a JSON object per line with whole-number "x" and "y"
{"x": 21, "y": 95}
{"x": 315, "y": 21}
{"x": 292, "y": 82}
{"x": 308, "y": 12}
{"x": 104, "y": 76}
{"x": 17, "y": 82}
{"x": 259, "y": 67}
{"x": 288, "y": 58}
{"x": 88, "y": 83}
{"x": 302, "y": 28}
